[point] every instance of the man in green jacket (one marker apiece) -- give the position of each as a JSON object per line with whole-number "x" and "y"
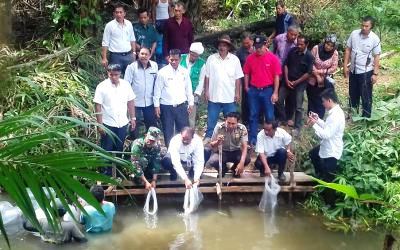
{"x": 195, "y": 65}
{"x": 146, "y": 157}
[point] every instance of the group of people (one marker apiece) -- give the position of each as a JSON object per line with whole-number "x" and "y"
{"x": 91, "y": 221}
{"x": 272, "y": 80}
{"x": 269, "y": 82}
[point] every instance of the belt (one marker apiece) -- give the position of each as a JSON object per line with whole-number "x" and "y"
{"x": 121, "y": 53}
{"x": 175, "y": 105}
{"x": 254, "y": 87}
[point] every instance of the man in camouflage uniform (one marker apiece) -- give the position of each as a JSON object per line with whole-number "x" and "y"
{"x": 233, "y": 137}
{"x": 146, "y": 157}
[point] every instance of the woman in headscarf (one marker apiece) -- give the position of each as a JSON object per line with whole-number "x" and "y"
{"x": 325, "y": 64}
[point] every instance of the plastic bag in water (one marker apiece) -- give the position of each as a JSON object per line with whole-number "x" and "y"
{"x": 151, "y": 194}
{"x": 11, "y": 216}
{"x": 193, "y": 198}
{"x": 270, "y": 194}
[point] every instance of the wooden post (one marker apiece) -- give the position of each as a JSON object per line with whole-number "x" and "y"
{"x": 220, "y": 171}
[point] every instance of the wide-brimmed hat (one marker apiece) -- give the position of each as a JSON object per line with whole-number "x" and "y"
{"x": 226, "y": 39}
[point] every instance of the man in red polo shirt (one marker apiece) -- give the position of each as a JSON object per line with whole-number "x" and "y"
{"x": 261, "y": 82}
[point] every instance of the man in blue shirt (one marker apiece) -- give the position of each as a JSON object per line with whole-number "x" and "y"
{"x": 94, "y": 221}
{"x": 282, "y": 22}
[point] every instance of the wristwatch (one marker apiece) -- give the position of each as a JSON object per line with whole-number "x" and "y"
{"x": 133, "y": 118}
{"x": 375, "y": 74}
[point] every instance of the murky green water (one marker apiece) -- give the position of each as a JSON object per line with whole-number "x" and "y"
{"x": 231, "y": 227}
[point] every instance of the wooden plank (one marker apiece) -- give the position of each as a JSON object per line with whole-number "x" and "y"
{"x": 227, "y": 189}
{"x": 210, "y": 179}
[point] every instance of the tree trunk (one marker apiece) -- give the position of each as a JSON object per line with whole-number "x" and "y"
{"x": 264, "y": 26}
{"x": 5, "y": 19}
{"x": 193, "y": 11}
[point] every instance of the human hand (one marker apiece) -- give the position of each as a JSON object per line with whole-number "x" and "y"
{"x": 157, "y": 112}
{"x": 196, "y": 182}
{"x": 345, "y": 71}
{"x": 289, "y": 84}
{"x": 267, "y": 171}
{"x": 154, "y": 184}
{"x": 188, "y": 184}
{"x": 101, "y": 131}
{"x": 206, "y": 96}
{"x": 133, "y": 125}
{"x": 237, "y": 97}
{"x": 374, "y": 79}
{"x": 239, "y": 169}
{"x": 147, "y": 185}
{"x": 290, "y": 156}
{"x": 274, "y": 98}
{"x": 104, "y": 62}
{"x": 190, "y": 109}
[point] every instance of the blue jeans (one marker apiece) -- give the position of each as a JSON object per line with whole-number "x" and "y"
{"x": 110, "y": 143}
{"x": 213, "y": 110}
{"x": 259, "y": 98}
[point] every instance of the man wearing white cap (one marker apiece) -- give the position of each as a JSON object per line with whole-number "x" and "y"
{"x": 195, "y": 66}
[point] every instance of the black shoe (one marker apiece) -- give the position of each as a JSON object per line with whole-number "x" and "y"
{"x": 282, "y": 177}
{"x": 173, "y": 177}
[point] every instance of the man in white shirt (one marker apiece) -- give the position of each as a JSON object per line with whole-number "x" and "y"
{"x": 325, "y": 156}
{"x": 142, "y": 75}
{"x": 173, "y": 98}
{"x": 185, "y": 148}
{"x": 118, "y": 40}
{"x": 222, "y": 83}
{"x": 273, "y": 147}
{"x": 113, "y": 99}
{"x": 362, "y": 52}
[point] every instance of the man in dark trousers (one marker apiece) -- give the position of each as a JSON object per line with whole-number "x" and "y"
{"x": 173, "y": 97}
{"x": 297, "y": 69}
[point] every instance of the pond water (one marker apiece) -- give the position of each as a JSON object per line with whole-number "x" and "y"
{"x": 230, "y": 226}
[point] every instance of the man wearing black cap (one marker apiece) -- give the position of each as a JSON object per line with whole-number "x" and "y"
{"x": 261, "y": 82}
{"x": 222, "y": 83}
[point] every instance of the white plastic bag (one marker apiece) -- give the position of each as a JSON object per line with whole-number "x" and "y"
{"x": 193, "y": 198}
{"x": 270, "y": 194}
{"x": 151, "y": 193}
{"x": 11, "y": 216}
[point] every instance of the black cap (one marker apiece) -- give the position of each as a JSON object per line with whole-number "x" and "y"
{"x": 259, "y": 41}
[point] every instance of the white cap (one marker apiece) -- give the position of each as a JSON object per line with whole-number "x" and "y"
{"x": 197, "y": 48}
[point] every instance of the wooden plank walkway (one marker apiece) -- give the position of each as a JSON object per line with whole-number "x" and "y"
{"x": 250, "y": 182}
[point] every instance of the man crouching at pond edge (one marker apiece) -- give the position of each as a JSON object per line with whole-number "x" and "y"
{"x": 146, "y": 157}
{"x": 185, "y": 148}
{"x": 233, "y": 137}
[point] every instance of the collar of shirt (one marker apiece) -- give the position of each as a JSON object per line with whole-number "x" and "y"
{"x": 123, "y": 24}
{"x": 301, "y": 53}
{"x": 333, "y": 109}
{"x": 226, "y": 58}
{"x": 363, "y": 36}
{"x": 112, "y": 85}
{"x": 140, "y": 65}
